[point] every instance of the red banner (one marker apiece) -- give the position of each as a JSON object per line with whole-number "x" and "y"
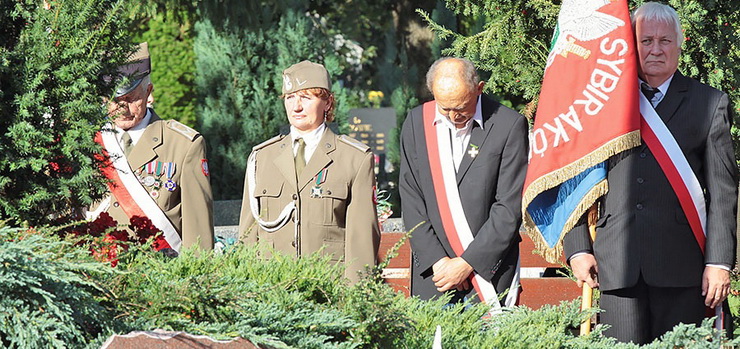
{"x": 588, "y": 111}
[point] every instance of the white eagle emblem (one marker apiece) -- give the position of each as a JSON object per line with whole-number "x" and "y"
{"x": 287, "y": 83}
{"x": 579, "y": 20}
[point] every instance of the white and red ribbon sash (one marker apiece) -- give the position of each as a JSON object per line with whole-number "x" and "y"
{"x": 451, "y": 211}
{"x": 682, "y": 178}
{"x": 129, "y": 192}
{"x": 676, "y": 167}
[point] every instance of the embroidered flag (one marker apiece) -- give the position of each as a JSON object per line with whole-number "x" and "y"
{"x": 587, "y": 112}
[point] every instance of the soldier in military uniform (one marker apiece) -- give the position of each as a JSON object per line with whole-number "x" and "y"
{"x": 312, "y": 188}
{"x": 157, "y": 167}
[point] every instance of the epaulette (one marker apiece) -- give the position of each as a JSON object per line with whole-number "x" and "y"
{"x": 176, "y": 126}
{"x": 354, "y": 143}
{"x": 267, "y": 142}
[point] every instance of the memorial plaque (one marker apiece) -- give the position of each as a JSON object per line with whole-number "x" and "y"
{"x": 372, "y": 126}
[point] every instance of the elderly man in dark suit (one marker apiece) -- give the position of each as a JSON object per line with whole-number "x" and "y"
{"x": 463, "y": 159}
{"x": 654, "y": 269}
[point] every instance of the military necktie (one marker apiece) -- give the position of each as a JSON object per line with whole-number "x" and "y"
{"x": 653, "y": 94}
{"x": 127, "y": 143}
{"x": 300, "y": 157}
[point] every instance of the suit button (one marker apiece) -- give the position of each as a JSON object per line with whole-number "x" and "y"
{"x": 295, "y": 196}
{"x": 116, "y": 204}
{"x": 639, "y": 206}
{"x": 640, "y": 180}
{"x": 292, "y": 243}
{"x": 328, "y": 192}
{"x": 643, "y": 155}
{"x": 264, "y": 191}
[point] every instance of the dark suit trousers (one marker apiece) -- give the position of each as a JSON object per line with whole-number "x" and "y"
{"x": 642, "y": 313}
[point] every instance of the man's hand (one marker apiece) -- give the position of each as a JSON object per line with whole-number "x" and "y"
{"x": 715, "y": 285}
{"x": 585, "y": 270}
{"x": 451, "y": 273}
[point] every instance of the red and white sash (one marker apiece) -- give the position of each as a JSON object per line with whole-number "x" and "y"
{"x": 128, "y": 191}
{"x": 451, "y": 212}
{"x": 682, "y": 178}
{"x": 676, "y": 167}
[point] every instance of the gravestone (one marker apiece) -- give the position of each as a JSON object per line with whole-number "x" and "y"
{"x": 373, "y": 126}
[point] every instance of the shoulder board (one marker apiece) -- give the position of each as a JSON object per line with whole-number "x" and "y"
{"x": 354, "y": 143}
{"x": 176, "y": 126}
{"x": 267, "y": 142}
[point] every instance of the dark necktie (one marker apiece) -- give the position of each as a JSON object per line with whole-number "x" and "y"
{"x": 127, "y": 143}
{"x": 650, "y": 93}
{"x": 300, "y": 157}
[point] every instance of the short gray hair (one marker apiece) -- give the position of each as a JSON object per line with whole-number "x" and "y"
{"x": 145, "y": 82}
{"x": 470, "y": 74}
{"x": 659, "y": 12}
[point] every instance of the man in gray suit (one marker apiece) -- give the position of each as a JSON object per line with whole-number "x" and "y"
{"x": 467, "y": 220}
{"x": 654, "y": 268}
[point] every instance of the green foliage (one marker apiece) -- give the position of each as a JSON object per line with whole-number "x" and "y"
{"x": 173, "y": 67}
{"x": 512, "y": 46}
{"x": 50, "y": 296}
{"x": 57, "y": 296}
{"x": 51, "y": 63}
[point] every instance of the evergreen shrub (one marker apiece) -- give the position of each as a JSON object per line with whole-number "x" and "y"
{"x": 53, "y": 56}
{"x": 57, "y": 296}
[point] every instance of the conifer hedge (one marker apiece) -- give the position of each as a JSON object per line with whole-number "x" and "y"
{"x": 53, "y": 56}
{"x": 55, "y": 295}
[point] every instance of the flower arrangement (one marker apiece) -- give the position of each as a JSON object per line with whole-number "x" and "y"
{"x": 106, "y": 241}
{"x": 375, "y": 98}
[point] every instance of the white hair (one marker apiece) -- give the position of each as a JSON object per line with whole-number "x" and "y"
{"x": 145, "y": 82}
{"x": 659, "y": 12}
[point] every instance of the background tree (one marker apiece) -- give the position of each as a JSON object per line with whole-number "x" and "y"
{"x": 52, "y": 59}
{"x": 170, "y": 41}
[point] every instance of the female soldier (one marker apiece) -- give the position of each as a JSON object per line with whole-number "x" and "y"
{"x": 312, "y": 189}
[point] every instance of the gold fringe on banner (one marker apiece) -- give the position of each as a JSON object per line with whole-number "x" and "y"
{"x": 552, "y": 254}
{"x": 555, "y": 178}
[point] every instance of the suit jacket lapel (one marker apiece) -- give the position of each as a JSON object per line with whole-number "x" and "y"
{"x": 284, "y": 161}
{"x": 319, "y": 159}
{"x": 477, "y": 137}
{"x": 673, "y": 98}
{"x": 145, "y": 149}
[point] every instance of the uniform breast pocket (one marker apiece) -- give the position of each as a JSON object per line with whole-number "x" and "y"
{"x": 334, "y": 205}
{"x": 268, "y": 195}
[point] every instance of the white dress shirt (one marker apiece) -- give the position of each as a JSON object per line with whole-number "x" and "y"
{"x": 312, "y": 140}
{"x": 135, "y": 132}
{"x": 460, "y": 137}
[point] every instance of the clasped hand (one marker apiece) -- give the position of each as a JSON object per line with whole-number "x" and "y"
{"x": 451, "y": 273}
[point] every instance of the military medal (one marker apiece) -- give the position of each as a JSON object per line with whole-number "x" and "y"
{"x": 154, "y": 193}
{"x": 316, "y": 191}
{"x": 473, "y": 151}
{"x": 170, "y": 170}
{"x": 149, "y": 181}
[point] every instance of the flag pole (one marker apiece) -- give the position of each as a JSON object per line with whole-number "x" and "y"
{"x": 588, "y": 292}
